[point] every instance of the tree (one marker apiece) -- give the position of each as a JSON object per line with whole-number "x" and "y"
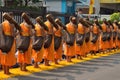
{"x": 115, "y": 16}
{"x": 19, "y": 2}
{"x": 35, "y": 1}
{"x": 26, "y": 2}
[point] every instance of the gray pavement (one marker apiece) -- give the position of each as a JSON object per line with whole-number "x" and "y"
{"x": 105, "y": 68}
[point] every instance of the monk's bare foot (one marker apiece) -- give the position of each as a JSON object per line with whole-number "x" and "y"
{"x": 25, "y": 70}
{"x": 8, "y": 73}
{"x": 60, "y": 60}
{"x": 84, "y": 56}
{"x": 36, "y": 67}
{"x": 81, "y": 58}
{"x": 104, "y": 52}
{"x": 78, "y": 57}
{"x": 0, "y": 68}
{"x": 69, "y": 61}
{"x": 47, "y": 64}
{"x": 56, "y": 63}
{"x": 94, "y": 54}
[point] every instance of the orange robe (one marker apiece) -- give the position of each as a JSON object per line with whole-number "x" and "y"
{"x": 111, "y": 41}
{"x": 115, "y": 41}
{"x": 49, "y": 52}
{"x": 80, "y": 49}
{"x": 70, "y": 50}
{"x": 58, "y": 52}
{"x": 87, "y": 45}
{"x": 108, "y": 42}
{"x": 8, "y": 59}
{"x": 103, "y": 44}
{"x": 0, "y": 56}
{"x": 38, "y": 55}
{"x": 118, "y": 41}
{"x": 26, "y": 56}
{"x": 95, "y": 46}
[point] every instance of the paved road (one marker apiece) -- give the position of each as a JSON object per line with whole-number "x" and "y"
{"x": 106, "y": 68}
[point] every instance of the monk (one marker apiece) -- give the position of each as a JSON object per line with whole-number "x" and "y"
{"x": 38, "y": 42}
{"x": 25, "y": 51}
{"x": 118, "y": 37}
{"x": 95, "y": 37}
{"x": 0, "y": 61}
{"x": 87, "y": 38}
{"x": 80, "y": 34}
{"x": 0, "y": 58}
{"x": 58, "y": 42}
{"x": 49, "y": 40}
{"x": 70, "y": 41}
{"x": 103, "y": 37}
{"x": 115, "y": 35}
{"x": 8, "y": 58}
{"x": 111, "y": 34}
{"x": 90, "y": 27}
{"x": 117, "y": 25}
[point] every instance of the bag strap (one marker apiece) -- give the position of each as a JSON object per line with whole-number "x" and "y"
{"x": 1, "y": 27}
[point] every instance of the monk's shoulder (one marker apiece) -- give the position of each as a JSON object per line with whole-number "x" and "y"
{"x": 80, "y": 25}
{"x": 5, "y": 22}
{"x": 68, "y": 24}
{"x": 21, "y": 24}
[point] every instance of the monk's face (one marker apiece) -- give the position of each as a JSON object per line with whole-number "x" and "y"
{"x": 74, "y": 21}
{"x": 96, "y": 21}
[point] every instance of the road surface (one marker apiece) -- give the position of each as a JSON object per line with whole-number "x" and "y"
{"x": 105, "y": 68}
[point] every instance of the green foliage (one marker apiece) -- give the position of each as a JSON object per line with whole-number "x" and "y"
{"x": 115, "y": 16}
{"x": 35, "y": 1}
{"x": 100, "y": 21}
{"x": 20, "y": 2}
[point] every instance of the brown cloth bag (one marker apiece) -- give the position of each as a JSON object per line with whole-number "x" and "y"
{"x": 57, "y": 42}
{"x": 23, "y": 43}
{"x": 6, "y": 41}
{"x": 109, "y": 34}
{"x": 104, "y": 36}
{"x": 94, "y": 38}
{"x": 118, "y": 36}
{"x": 87, "y": 37}
{"x": 70, "y": 39}
{"x": 114, "y": 35}
{"x": 79, "y": 39}
{"x": 48, "y": 41}
{"x": 37, "y": 42}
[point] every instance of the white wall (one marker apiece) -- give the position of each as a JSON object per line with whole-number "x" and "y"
{"x": 53, "y": 5}
{"x": 105, "y": 16}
